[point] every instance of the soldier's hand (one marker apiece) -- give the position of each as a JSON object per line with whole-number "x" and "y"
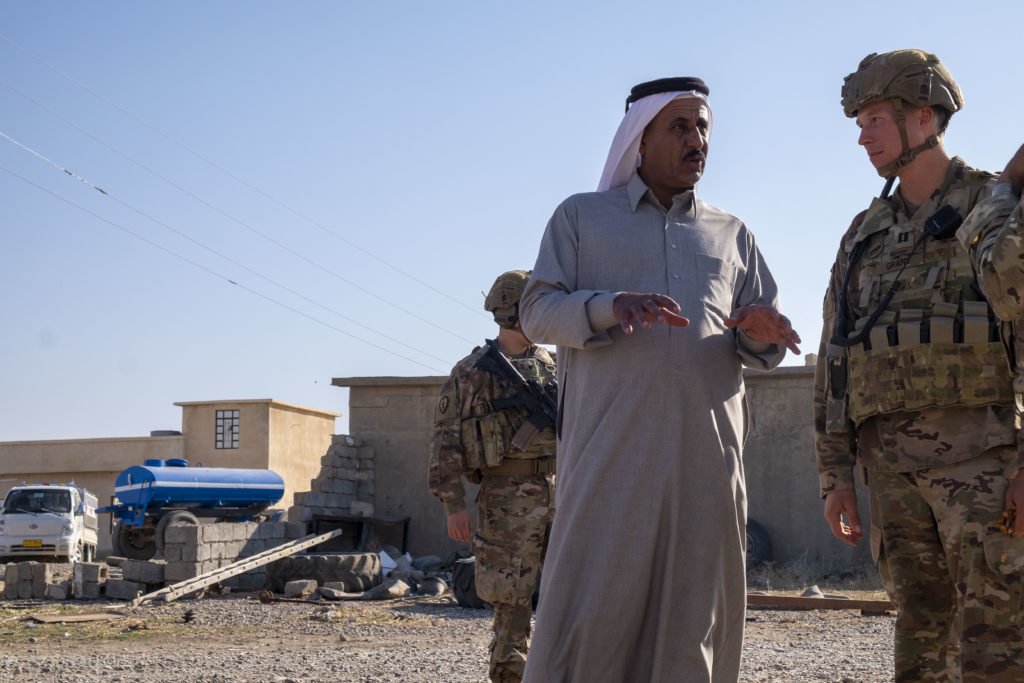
{"x": 765, "y": 324}
{"x": 1015, "y": 503}
{"x": 646, "y": 309}
{"x": 1014, "y": 171}
{"x": 837, "y": 505}
{"x": 460, "y": 526}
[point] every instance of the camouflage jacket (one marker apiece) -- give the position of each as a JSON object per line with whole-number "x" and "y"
{"x": 936, "y": 288}
{"x": 994, "y": 237}
{"x": 470, "y": 435}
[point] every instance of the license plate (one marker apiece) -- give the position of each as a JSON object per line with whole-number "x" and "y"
{"x": 29, "y": 543}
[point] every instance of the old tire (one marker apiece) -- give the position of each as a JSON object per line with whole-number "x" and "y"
{"x": 175, "y": 518}
{"x": 464, "y": 584}
{"x": 135, "y": 544}
{"x": 759, "y": 545}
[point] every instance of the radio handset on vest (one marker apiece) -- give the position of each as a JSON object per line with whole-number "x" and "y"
{"x": 944, "y": 223}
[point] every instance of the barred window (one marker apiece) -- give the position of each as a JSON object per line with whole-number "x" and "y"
{"x": 227, "y": 429}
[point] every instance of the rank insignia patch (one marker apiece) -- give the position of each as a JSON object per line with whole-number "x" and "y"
{"x": 442, "y": 404}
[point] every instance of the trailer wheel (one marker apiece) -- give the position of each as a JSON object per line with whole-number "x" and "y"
{"x": 759, "y": 545}
{"x": 135, "y": 544}
{"x": 175, "y": 518}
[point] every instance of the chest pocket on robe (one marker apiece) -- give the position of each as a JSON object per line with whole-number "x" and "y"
{"x": 716, "y": 284}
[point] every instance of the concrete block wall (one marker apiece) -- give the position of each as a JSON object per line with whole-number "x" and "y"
{"x": 344, "y": 485}
{"x": 193, "y": 550}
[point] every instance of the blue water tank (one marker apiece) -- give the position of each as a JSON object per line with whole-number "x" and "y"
{"x": 149, "y": 486}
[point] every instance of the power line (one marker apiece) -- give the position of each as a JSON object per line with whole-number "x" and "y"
{"x": 231, "y": 175}
{"x": 214, "y": 273}
{"x": 211, "y": 250}
{"x": 239, "y": 221}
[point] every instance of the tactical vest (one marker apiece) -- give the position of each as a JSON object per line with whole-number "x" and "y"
{"x": 936, "y": 345}
{"x": 488, "y": 435}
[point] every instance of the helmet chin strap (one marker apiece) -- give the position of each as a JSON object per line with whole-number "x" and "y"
{"x": 908, "y": 155}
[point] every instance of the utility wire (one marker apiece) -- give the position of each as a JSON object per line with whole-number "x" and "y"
{"x": 239, "y": 221}
{"x": 211, "y": 250}
{"x": 231, "y": 175}
{"x": 213, "y": 272}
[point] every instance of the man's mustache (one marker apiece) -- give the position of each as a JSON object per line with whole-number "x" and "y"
{"x": 694, "y": 155}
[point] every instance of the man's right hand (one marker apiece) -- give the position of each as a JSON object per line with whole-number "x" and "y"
{"x": 460, "y": 526}
{"x": 838, "y": 504}
{"x": 646, "y": 309}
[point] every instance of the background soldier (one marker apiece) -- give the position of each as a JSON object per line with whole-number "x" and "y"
{"x": 914, "y": 381}
{"x": 994, "y": 236}
{"x": 482, "y": 432}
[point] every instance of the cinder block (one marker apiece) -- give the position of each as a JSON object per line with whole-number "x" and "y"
{"x": 172, "y": 553}
{"x": 142, "y": 571}
{"x": 179, "y": 571}
{"x": 87, "y": 579}
{"x": 278, "y": 530}
{"x": 119, "y": 589}
{"x": 88, "y": 591}
{"x": 361, "y": 509}
{"x": 300, "y": 588}
{"x": 295, "y": 530}
{"x": 11, "y": 582}
{"x": 57, "y": 591}
{"x": 182, "y": 534}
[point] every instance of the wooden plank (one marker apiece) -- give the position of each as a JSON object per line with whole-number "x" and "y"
{"x": 73, "y": 618}
{"x": 796, "y": 602}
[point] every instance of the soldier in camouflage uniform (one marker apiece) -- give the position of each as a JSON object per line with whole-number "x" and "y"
{"x": 475, "y": 425}
{"x": 915, "y": 383}
{"x": 994, "y": 236}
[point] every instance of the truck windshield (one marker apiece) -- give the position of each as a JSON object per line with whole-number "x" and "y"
{"x": 38, "y": 500}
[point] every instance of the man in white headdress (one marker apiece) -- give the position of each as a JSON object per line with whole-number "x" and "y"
{"x": 655, "y": 300}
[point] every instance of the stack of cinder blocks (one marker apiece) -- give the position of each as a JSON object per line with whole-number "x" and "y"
{"x": 27, "y": 580}
{"x": 89, "y": 579}
{"x": 138, "y": 577}
{"x": 344, "y": 485}
{"x": 193, "y": 550}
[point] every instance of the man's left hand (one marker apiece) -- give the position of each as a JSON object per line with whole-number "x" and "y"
{"x": 1015, "y": 503}
{"x": 765, "y": 324}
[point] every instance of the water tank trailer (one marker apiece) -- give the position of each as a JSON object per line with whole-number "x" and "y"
{"x": 159, "y": 493}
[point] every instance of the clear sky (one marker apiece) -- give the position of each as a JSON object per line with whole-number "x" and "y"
{"x": 307, "y": 190}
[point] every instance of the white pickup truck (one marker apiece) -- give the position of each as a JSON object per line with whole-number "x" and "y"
{"x": 48, "y": 521}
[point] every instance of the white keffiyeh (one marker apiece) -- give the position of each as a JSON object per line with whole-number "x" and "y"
{"x": 624, "y": 155}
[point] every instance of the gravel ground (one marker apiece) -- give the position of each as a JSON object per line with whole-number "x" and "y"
{"x": 231, "y": 639}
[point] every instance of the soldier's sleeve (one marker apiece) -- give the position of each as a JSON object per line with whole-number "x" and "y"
{"x": 447, "y": 455}
{"x": 993, "y": 235}
{"x": 834, "y": 436}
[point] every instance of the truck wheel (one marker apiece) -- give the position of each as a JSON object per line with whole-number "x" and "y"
{"x": 176, "y": 518}
{"x": 76, "y": 555}
{"x": 135, "y": 544}
{"x": 759, "y": 545}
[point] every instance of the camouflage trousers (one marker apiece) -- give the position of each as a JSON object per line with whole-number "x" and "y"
{"x": 514, "y": 515}
{"x": 954, "y": 576}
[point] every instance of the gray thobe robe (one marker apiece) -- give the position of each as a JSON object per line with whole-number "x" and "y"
{"x": 644, "y": 578}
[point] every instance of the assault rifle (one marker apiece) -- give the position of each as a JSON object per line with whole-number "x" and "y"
{"x": 539, "y": 401}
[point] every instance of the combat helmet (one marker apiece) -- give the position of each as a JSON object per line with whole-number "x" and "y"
{"x": 914, "y": 77}
{"x": 503, "y": 298}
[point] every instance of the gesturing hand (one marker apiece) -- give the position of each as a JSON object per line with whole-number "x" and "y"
{"x": 646, "y": 309}
{"x": 765, "y": 324}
